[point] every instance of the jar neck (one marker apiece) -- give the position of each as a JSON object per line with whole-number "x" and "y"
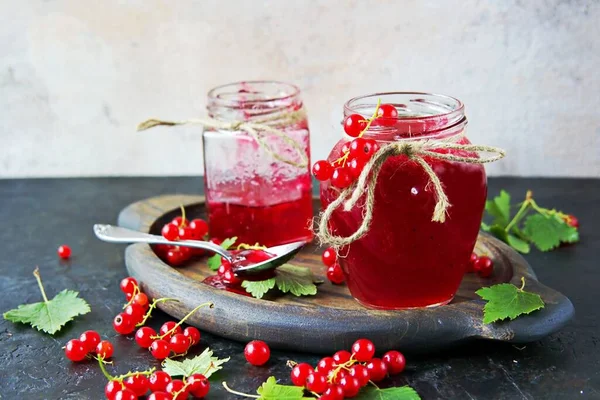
{"x": 253, "y": 101}
{"x": 420, "y": 116}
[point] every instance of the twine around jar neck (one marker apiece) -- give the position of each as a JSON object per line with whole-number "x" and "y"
{"x": 414, "y": 150}
{"x": 257, "y": 129}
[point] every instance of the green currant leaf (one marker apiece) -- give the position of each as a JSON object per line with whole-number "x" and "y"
{"x": 571, "y": 235}
{"x": 204, "y": 363}
{"x": 485, "y": 227}
{"x": 518, "y": 244}
{"x": 499, "y": 208}
{"x": 271, "y": 390}
{"x": 547, "y": 231}
{"x": 505, "y": 300}
{"x": 296, "y": 280}
{"x": 258, "y": 288}
{"x": 393, "y": 393}
{"x": 214, "y": 262}
{"x": 50, "y": 316}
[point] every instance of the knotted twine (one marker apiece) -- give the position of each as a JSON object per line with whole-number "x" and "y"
{"x": 257, "y": 129}
{"x": 414, "y": 150}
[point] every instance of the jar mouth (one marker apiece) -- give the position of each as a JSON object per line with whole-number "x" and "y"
{"x": 245, "y": 94}
{"x": 418, "y": 112}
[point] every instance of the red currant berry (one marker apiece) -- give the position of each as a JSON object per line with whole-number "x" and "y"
{"x": 471, "y": 264}
{"x": 177, "y": 256}
{"x": 167, "y": 327}
{"x": 356, "y": 166}
{"x": 257, "y": 256}
{"x": 363, "y": 350}
{"x": 484, "y": 266}
{"x": 316, "y": 382}
{"x": 257, "y": 352}
{"x": 158, "y": 381}
{"x": 143, "y": 336}
{"x": 179, "y": 222}
{"x": 198, "y": 385}
{"x": 186, "y": 234}
{"x": 111, "y": 388}
{"x": 179, "y": 343}
{"x": 142, "y": 300}
{"x": 192, "y": 334}
{"x": 160, "y": 396}
{"x": 104, "y": 349}
{"x": 345, "y": 148}
{"x": 335, "y": 274}
{"x": 229, "y": 278}
{"x": 363, "y": 148}
{"x": 354, "y": 125}
{"x": 335, "y": 375}
{"x": 64, "y": 251}
{"x": 90, "y": 340}
{"x": 137, "y": 383}
{"x": 333, "y": 392}
{"x": 170, "y": 232}
{"x": 572, "y": 220}
{"x": 124, "y": 324}
{"x": 129, "y": 296}
{"x": 341, "y": 357}
{"x": 329, "y": 257}
{"x": 377, "y": 369}
{"x": 394, "y": 361}
{"x": 325, "y": 365}
{"x": 175, "y": 386}
{"x": 136, "y": 312}
{"x": 341, "y": 178}
{"x": 387, "y": 115}
{"x": 350, "y": 385}
{"x": 199, "y": 228}
{"x": 361, "y": 372}
{"x": 322, "y": 170}
{"x": 75, "y": 350}
{"x": 216, "y": 241}
{"x": 128, "y": 285}
{"x": 125, "y": 394}
{"x": 160, "y": 349}
{"x": 300, "y": 372}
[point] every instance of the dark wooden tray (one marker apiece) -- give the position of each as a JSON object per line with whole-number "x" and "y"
{"x": 332, "y": 319}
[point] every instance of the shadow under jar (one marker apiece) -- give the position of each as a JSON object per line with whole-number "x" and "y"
{"x": 259, "y": 192}
{"x": 405, "y": 260}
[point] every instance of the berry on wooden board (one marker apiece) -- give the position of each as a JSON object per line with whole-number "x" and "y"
{"x": 257, "y": 352}
{"x": 64, "y": 251}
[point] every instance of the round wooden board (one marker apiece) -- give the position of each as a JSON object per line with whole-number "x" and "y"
{"x": 332, "y": 319}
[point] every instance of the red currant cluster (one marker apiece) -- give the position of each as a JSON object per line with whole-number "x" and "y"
{"x": 482, "y": 265}
{"x": 181, "y": 229}
{"x": 356, "y": 153}
{"x": 135, "y": 310}
{"x": 334, "y": 271}
{"x": 248, "y": 256}
{"x": 89, "y": 342}
{"x": 159, "y": 383}
{"x": 345, "y": 373}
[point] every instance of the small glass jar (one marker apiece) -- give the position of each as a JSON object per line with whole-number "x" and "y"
{"x": 405, "y": 260}
{"x": 259, "y": 192}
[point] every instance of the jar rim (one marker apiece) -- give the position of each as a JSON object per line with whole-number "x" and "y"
{"x": 215, "y": 95}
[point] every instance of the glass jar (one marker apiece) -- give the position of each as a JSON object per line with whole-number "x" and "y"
{"x": 405, "y": 260}
{"x": 259, "y": 192}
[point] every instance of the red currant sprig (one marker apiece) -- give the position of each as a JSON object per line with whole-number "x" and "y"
{"x": 88, "y": 344}
{"x": 136, "y": 383}
{"x": 181, "y": 229}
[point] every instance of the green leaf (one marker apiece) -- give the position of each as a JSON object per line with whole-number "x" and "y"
{"x": 203, "y": 363}
{"x": 547, "y": 231}
{"x": 296, "y": 280}
{"x": 518, "y": 244}
{"x": 50, "y": 316}
{"x": 485, "y": 227}
{"x": 271, "y": 390}
{"x": 499, "y": 208}
{"x": 214, "y": 262}
{"x": 505, "y": 300}
{"x": 258, "y": 288}
{"x": 393, "y": 393}
{"x": 571, "y": 235}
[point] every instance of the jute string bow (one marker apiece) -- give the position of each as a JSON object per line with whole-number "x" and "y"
{"x": 415, "y": 150}
{"x": 257, "y": 129}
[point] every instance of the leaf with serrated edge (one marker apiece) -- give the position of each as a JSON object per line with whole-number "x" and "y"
{"x": 196, "y": 365}
{"x": 258, "y": 288}
{"x": 393, "y": 393}
{"x": 499, "y": 208}
{"x": 518, "y": 244}
{"x": 505, "y": 300}
{"x": 214, "y": 262}
{"x": 50, "y": 316}
{"x": 296, "y": 280}
{"x": 545, "y": 232}
{"x": 271, "y": 390}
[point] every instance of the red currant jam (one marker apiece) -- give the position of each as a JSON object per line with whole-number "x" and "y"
{"x": 406, "y": 260}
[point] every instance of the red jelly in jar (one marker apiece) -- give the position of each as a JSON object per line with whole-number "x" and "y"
{"x": 406, "y": 260}
{"x": 258, "y": 190}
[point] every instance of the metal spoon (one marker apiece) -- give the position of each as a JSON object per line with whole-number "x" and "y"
{"x": 116, "y": 234}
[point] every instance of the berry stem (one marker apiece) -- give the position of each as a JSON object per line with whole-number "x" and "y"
{"x": 522, "y": 283}
{"x": 172, "y": 330}
{"x": 182, "y": 208}
{"x": 152, "y": 307}
{"x": 36, "y": 273}
{"x": 519, "y": 215}
{"x": 136, "y": 291}
{"x": 101, "y": 362}
{"x": 239, "y": 393}
{"x": 256, "y": 246}
{"x": 370, "y": 120}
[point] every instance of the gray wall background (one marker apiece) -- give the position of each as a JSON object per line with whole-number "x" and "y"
{"x": 77, "y": 76}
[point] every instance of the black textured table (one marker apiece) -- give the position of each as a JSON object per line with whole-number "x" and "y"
{"x": 39, "y": 215}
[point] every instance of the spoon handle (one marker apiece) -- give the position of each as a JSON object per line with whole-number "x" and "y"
{"x": 117, "y": 234}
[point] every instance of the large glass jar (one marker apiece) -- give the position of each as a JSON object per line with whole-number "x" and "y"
{"x": 258, "y": 185}
{"x": 406, "y": 260}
